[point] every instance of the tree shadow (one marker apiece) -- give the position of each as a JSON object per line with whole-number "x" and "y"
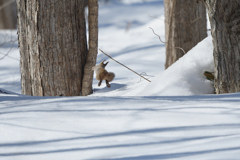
{"x": 175, "y": 155}
{"x": 114, "y": 86}
{"x": 78, "y": 139}
{"x": 150, "y": 102}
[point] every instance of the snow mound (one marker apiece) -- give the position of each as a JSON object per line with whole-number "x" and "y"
{"x": 185, "y": 77}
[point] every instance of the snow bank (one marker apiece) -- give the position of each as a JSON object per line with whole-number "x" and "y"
{"x": 185, "y": 77}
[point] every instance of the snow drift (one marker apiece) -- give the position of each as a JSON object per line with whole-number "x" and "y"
{"x": 185, "y": 77}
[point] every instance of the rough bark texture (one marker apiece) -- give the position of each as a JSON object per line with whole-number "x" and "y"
{"x": 53, "y": 47}
{"x": 8, "y": 14}
{"x": 93, "y": 47}
{"x": 185, "y": 26}
{"x": 224, "y": 16}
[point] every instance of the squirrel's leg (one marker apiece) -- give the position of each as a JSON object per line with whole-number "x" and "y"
{"x": 100, "y": 80}
{"x": 107, "y": 83}
{"x": 99, "y": 83}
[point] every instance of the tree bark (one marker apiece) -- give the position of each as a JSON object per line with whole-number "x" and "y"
{"x": 185, "y": 26}
{"x": 224, "y": 16}
{"x": 53, "y": 47}
{"x": 93, "y": 47}
{"x": 8, "y": 14}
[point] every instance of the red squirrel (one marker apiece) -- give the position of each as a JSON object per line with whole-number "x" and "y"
{"x": 103, "y": 74}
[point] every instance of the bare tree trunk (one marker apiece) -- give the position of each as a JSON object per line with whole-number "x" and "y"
{"x": 85, "y": 3}
{"x": 53, "y": 47}
{"x": 185, "y": 26}
{"x": 224, "y": 16}
{"x": 93, "y": 47}
{"x": 8, "y": 14}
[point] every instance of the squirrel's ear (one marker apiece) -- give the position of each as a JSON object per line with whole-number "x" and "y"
{"x": 103, "y": 61}
{"x": 105, "y": 64}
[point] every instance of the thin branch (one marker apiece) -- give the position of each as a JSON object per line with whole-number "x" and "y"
{"x": 144, "y": 74}
{"x": 181, "y": 49}
{"x": 157, "y": 35}
{"x": 166, "y": 42}
{"x": 7, "y": 54}
{"x": 125, "y": 66}
{"x": 195, "y": 19}
{"x": 155, "y": 17}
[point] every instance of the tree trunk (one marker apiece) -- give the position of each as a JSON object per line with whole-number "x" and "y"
{"x": 53, "y": 47}
{"x": 93, "y": 47}
{"x": 185, "y": 26}
{"x": 224, "y": 16}
{"x": 85, "y": 3}
{"x": 8, "y": 14}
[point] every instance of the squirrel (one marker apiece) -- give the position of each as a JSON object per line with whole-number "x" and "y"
{"x": 103, "y": 74}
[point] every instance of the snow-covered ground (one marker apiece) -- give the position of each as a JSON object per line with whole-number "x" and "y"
{"x": 176, "y": 116}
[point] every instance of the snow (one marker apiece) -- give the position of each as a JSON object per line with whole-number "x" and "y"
{"x": 185, "y": 77}
{"x": 176, "y": 116}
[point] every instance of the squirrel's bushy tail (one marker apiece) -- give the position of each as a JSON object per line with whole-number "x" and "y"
{"x": 110, "y": 76}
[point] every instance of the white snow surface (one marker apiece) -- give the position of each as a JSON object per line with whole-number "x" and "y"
{"x": 185, "y": 77}
{"x": 176, "y": 116}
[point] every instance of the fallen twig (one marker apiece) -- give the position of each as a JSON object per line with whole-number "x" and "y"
{"x": 125, "y": 66}
{"x": 166, "y": 42}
